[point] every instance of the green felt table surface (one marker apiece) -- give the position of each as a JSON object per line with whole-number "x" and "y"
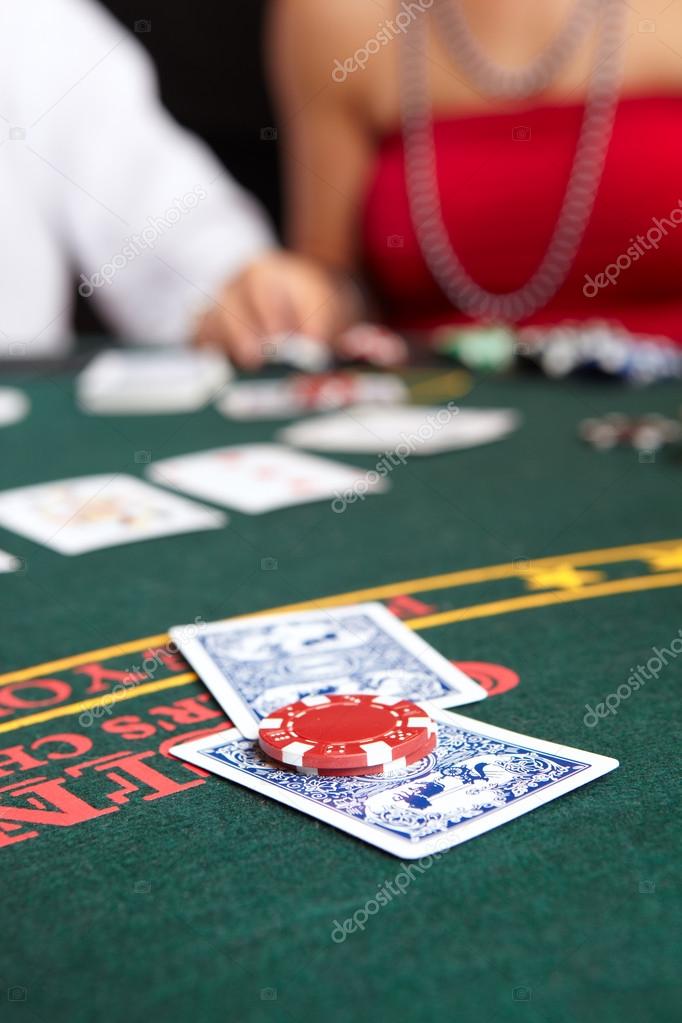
{"x": 136, "y": 889}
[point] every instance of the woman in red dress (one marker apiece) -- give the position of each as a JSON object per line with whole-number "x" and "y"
{"x": 488, "y": 161}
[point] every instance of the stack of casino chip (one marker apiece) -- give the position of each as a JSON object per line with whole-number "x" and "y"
{"x": 374, "y": 344}
{"x": 560, "y": 350}
{"x": 348, "y": 734}
{"x": 483, "y": 349}
{"x": 599, "y": 347}
{"x": 643, "y": 433}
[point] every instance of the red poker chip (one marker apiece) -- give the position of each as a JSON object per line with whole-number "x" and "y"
{"x": 345, "y": 730}
{"x": 393, "y": 770}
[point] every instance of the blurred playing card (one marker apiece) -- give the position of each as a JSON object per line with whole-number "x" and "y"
{"x": 77, "y": 515}
{"x": 8, "y": 563}
{"x": 14, "y": 406}
{"x": 259, "y": 399}
{"x": 256, "y": 478}
{"x": 283, "y": 399}
{"x": 151, "y": 382}
{"x": 419, "y": 429}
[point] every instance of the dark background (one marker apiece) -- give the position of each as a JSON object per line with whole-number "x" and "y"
{"x": 208, "y": 56}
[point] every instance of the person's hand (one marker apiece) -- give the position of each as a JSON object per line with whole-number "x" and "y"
{"x": 280, "y": 293}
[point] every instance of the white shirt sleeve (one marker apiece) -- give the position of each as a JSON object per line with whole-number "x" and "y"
{"x": 148, "y": 217}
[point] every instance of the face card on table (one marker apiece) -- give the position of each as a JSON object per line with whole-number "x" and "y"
{"x": 90, "y": 512}
{"x": 257, "y": 478}
{"x": 477, "y": 778}
{"x": 254, "y": 665}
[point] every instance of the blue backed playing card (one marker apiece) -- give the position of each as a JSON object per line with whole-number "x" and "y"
{"x": 254, "y": 665}
{"x": 478, "y": 778}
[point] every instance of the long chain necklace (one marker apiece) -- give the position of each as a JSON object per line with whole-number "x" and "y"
{"x": 588, "y": 164}
{"x": 493, "y": 79}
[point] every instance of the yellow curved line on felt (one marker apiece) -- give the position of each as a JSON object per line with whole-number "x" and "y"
{"x": 470, "y": 576}
{"x": 115, "y": 696}
{"x": 454, "y": 384}
{"x": 616, "y": 587}
{"x": 465, "y": 577}
{"x": 530, "y": 601}
{"x": 133, "y": 646}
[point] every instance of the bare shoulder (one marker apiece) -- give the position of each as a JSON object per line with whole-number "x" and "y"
{"x": 329, "y": 23}
{"x": 322, "y": 37}
{"x": 653, "y": 48}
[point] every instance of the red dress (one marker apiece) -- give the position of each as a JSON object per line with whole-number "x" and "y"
{"x": 502, "y": 181}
